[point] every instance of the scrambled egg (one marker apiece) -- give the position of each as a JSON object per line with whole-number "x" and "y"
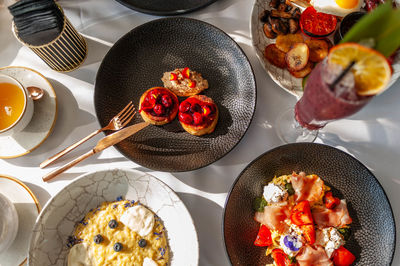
{"x": 96, "y": 222}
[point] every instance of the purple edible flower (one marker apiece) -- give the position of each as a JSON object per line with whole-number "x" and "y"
{"x": 288, "y": 241}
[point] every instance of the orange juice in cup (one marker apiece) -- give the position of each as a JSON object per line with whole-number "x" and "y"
{"x": 16, "y": 107}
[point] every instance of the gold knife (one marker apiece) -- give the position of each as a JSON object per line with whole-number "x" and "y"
{"x": 104, "y": 143}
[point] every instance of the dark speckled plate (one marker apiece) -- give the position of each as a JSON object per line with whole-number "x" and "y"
{"x": 137, "y": 62}
{"x": 374, "y": 234}
{"x": 166, "y": 7}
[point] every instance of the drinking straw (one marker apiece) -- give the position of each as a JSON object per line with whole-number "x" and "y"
{"x": 340, "y": 77}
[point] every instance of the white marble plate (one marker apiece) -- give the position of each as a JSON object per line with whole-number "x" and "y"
{"x": 44, "y": 116}
{"x": 48, "y": 245}
{"x": 28, "y": 209}
{"x": 282, "y": 77}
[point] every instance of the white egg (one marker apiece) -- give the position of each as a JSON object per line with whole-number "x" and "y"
{"x": 337, "y": 7}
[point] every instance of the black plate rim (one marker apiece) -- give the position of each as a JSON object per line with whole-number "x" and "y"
{"x": 299, "y": 144}
{"x": 164, "y": 13}
{"x": 253, "y": 106}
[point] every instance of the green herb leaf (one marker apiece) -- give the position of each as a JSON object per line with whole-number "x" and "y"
{"x": 289, "y": 188}
{"x": 304, "y": 82}
{"x": 259, "y": 204}
{"x": 345, "y": 232}
{"x": 382, "y": 25}
{"x": 292, "y": 259}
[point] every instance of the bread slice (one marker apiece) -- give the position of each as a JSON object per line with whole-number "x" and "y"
{"x": 181, "y": 85}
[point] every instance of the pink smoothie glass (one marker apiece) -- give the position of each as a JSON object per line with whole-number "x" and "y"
{"x": 323, "y": 101}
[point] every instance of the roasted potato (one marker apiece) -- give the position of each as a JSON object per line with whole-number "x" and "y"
{"x": 297, "y": 57}
{"x": 285, "y": 42}
{"x": 303, "y": 72}
{"x": 318, "y": 49}
{"x": 275, "y": 56}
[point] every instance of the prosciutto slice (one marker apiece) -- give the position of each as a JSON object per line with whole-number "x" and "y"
{"x": 337, "y": 217}
{"x": 315, "y": 256}
{"x": 309, "y": 188}
{"x": 273, "y": 217}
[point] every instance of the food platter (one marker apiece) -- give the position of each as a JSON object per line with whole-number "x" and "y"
{"x": 166, "y": 7}
{"x": 374, "y": 232}
{"x": 57, "y": 220}
{"x": 137, "y": 62}
{"x": 282, "y": 77}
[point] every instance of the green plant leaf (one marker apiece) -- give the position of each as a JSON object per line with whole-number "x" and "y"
{"x": 382, "y": 25}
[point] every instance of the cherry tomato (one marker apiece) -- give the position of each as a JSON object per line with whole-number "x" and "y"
{"x": 343, "y": 257}
{"x": 263, "y": 238}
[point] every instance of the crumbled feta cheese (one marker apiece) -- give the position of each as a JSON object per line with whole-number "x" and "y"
{"x": 296, "y": 229}
{"x": 290, "y": 244}
{"x": 333, "y": 240}
{"x": 274, "y": 193}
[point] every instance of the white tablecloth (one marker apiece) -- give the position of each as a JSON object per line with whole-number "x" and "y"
{"x": 372, "y": 135}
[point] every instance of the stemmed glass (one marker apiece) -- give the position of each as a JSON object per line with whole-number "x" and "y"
{"x": 329, "y": 95}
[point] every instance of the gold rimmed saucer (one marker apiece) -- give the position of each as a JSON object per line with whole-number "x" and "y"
{"x": 43, "y": 120}
{"x": 28, "y": 208}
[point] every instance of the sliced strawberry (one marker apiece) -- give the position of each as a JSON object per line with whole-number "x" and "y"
{"x": 186, "y": 72}
{"x": 263, "y": 238}
{"x": 281, "y": 258}
{"x": 173, "y": 76}
{"x": 309, "y": 233}
{"x": 343, "y": 257}
{"x": 301, "y": 214}
{"x": 192, "y": 84}
{"x": 331, "y": 201}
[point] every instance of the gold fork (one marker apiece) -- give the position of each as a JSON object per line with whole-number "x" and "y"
{"x": 116, "y": 123}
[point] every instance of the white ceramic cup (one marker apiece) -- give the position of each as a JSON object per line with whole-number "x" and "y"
{"x": 8, "y": 223}
{"x": 27, "y": 112}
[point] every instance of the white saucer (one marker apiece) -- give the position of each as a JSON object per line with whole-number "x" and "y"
{"x": 28, "y": 208}
{"x": 44, "y": 116}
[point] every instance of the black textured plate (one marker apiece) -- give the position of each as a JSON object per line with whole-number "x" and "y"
{"x": 137, "y": 62}
{"x": 166, "y": 7}
{"x": 374, "y": 232}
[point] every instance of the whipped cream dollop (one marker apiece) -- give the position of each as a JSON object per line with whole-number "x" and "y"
{"x": 138, "y": 219}
{"x": 149, "y": 262}
{"x": 80, "y": 255}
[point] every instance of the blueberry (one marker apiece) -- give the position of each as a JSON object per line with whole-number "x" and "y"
{"x": 98, "y": 239}
{"x": 142, "y": 243}
{"x": 117, "y": 247}
{"x": 112, "y": 224}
